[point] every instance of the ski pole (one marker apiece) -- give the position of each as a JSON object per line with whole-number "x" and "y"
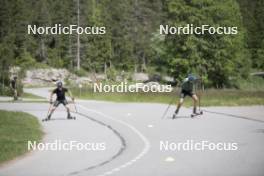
{"x": 199, "y": 103}
{"x": 200, "y": 93}
{"x": 165, "y": 112}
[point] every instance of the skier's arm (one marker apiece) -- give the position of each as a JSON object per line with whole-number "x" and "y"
{"x": 70, "y": 94}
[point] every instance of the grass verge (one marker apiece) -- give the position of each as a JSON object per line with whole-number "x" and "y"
{"x": 16, "y": 129}
{"x": 31, "y": 96}
{"x": 212, "y": 97}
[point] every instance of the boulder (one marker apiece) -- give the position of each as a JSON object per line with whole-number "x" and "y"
{"x": 47, "y": 77}
{"x": 168, "y": 79}
{"x": 142, "y": 77}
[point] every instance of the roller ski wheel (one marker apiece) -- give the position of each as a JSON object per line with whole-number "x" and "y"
{"x": 197, "y": 114}
{"x": 71, "y": 118}
{"x": 45, "y": 120}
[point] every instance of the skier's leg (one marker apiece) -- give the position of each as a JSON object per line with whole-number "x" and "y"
{"x": 54, "y": 107}
{"x": 182, "y": 96}
{"x": 51, "y": 112}
{"x": 68, "y": 112}
{"x": 66, "y": 105}
{"x": 195, "y": 101}
{"x": 178, "y": 107}
{"x": 15, "y": 94}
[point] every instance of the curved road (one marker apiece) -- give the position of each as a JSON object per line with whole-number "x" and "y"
{"x": 133, "y": 134}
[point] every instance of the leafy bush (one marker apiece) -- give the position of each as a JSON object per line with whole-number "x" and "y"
{"x": 80, "y": 72}
{"x": 25, "y": 60}
{"x": 7, "y": 91}
{"x": 111, "y": 74}
{"x": 252, "y": 83}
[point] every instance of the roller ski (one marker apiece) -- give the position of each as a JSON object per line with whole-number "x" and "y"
{"x": 196, "y": 114}
{"x": 46, "y": 119}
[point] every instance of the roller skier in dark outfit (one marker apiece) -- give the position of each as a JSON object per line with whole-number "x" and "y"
{"x": 60, "y": 92}
{"x": 13, "y": 85}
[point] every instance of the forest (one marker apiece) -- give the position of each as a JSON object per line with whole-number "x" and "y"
{"x": 132, "y": 42}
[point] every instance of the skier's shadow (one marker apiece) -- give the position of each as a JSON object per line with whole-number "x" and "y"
{"x": 59, "y": 119}
{"x": 259, "y": 130}
{"x": 178, "y": 117}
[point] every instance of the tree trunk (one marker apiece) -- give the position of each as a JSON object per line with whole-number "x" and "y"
{"x": 144, "y": 64}
{"x": 78, "y": 36}
{"x": 135, "y": 67}
{"x": 43, "y": 51}
{"x": 105, "y": 67}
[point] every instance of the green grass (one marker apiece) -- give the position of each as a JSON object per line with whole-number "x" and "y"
{"x": 31, "y": 96}
{"x": 8, "y": 92}
{"x": 211, "y": 97}
{"x": 252, "y": 83}
{"x": 16, "y": 129}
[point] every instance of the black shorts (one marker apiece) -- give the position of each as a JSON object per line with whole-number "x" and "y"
{"x": 58, "y": 102}
{"x": 184, "y": 93}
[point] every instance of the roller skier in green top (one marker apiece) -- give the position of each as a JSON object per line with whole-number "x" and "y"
{"x": 187, "y": 90}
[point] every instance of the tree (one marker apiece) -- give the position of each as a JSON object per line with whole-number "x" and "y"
{"x": 217, "y": 58}
{"x": 253, "y": 14}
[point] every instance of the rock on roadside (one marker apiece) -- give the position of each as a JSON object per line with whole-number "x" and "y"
{"x": 49, "y": 76}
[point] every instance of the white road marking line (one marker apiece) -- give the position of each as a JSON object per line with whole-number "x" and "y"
{"x": 142, "y": 137}
{"x": 169, "y": 159}
{"x": 150, "y": 126}
{"x": 116, "y": 169}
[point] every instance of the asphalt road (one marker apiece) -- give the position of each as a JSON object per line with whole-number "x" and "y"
{"x": 133, "y": 134}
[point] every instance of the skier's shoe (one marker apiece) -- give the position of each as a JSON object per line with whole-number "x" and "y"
{"x": 174, "y": 116}
{"x": 175, "y": 113}
{"x": 70, "y": 117}
{"x": 46, "y": 119}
